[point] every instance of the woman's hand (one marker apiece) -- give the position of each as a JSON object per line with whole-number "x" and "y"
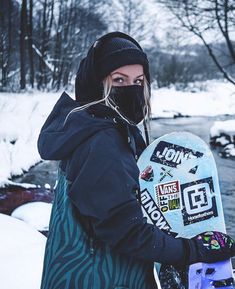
{"x": 210, "y": 247}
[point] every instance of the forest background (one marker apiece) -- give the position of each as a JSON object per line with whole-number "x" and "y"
{"x": 42, "y": 42}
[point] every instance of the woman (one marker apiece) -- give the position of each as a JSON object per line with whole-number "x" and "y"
{"x": 98, "y": 237}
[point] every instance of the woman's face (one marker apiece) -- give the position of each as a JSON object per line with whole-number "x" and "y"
{"x": 128, "y": 75}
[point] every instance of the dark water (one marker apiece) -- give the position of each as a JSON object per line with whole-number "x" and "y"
{"x": 15, "y": 196}
{"x": 226, "y": 167}
{"x": 43, "y": 173}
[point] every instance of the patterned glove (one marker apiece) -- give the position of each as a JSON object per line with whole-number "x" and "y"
{"x": 210, "y": 247}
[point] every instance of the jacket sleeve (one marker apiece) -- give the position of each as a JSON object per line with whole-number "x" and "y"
{"x": 105, "y": 179}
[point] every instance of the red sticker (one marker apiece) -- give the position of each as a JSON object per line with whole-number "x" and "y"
{"x": 147, "y": 175}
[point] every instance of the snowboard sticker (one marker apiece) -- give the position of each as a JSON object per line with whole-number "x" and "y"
{"x": 180, "y": 193}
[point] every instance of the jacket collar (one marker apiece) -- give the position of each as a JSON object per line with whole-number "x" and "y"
{"x": 130, "y": 133}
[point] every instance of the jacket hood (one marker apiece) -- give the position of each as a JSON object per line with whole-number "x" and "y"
{"x": 58, "y": 139}
{"x": 88, "y": 87}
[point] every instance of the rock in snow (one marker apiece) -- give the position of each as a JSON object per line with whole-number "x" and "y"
{"x": 35, "y": 214}
{"x": 222, "y": 135}
{"x": 21, "y": 253}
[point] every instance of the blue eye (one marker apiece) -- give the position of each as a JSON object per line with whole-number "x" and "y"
{"x": 139, "y": 81}
{"x": 118, "y": 80}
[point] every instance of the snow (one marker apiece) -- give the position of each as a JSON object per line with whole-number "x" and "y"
{"x": 47, "y": 186}
{"x": 222, "y": 134}
{"x": 6, "y": 183}
{"x": 217, "y": 99}
{"x": 222, "y": 141}
{"x": 228, "y": 151}
{"x": 232, "y": 152}
{"x": 35, "y": 214}
{"x": 21, "y": 253}
{"x": 223, "y": 127}
{"x": 231, "y": 149}
{"x": 24, "y": 114}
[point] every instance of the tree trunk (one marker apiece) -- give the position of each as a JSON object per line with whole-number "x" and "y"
{"x": 2, "y": 46}
{"x": 9, "y": 49}
{"x": 42, "y": 66}
{"x": 23, "y": 33}
{"x": 30, "y": 43}
{"x": 57, "y": 49}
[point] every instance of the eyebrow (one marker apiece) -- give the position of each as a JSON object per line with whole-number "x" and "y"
{"x": 116, "y": 72}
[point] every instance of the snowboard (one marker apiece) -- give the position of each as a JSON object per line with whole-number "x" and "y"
{"x": 179, "y": 191}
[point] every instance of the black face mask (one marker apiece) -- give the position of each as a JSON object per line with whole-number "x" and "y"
{"x": 130, "y": 101}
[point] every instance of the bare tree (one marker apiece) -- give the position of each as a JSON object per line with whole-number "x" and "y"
{"x": 45, "y": 25}
{"x": 134, "y": 22}
{"x": 42, "y": 42}
{"x": 77, "y": 25}
{"x": 209, "y": 20}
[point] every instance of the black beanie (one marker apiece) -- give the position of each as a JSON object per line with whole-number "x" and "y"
{"x": 108, "y": 53}
{"x": 117, "y": 52}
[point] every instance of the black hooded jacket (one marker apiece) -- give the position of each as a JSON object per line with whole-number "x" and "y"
{"x": 98, "y": 152}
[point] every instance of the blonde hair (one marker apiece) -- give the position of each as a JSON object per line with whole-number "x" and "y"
{"x": 107, "y": 84}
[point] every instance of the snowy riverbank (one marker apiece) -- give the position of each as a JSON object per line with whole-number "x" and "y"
{"x": 222, "y": 135}
{"x": 22, "y": 115}
{"x": 209, "y": 98}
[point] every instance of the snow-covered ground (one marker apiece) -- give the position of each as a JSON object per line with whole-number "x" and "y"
{"x": 217, "y": 98}
{"x": 22, "y": 250}
{"x": 22, "y": 115}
